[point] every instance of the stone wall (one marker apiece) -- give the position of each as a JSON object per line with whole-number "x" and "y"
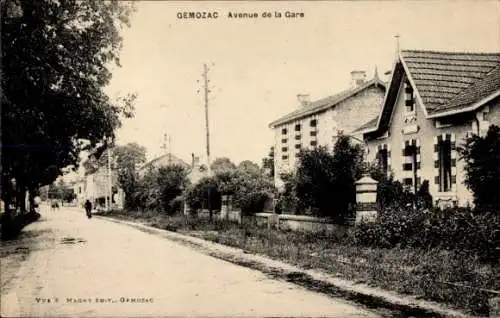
{"x": 300, "y": 223}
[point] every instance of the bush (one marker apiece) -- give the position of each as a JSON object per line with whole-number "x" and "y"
{"x": 458, "y": 229}
{"x": 482, "y": 168}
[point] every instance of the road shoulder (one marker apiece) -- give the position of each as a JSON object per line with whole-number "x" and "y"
{"x": 311, "y": 279}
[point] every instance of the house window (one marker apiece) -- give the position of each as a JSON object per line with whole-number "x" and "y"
{"x": 284, "y": 149}
{"x": 283, "y": 131}
{"x": 297, "y": 137}
{"x": 409, "y": 97}
{"x": 411, "y": 162}
{"x": 284, "y": 141}
{"x": 383, "y": 159}
{"x": 298, "y": 146}
{"x": 284, "y": 157}
{"x": 444, "y": 164}
{"x": 297, "y": 127}
{"x": 314, "y": 143}
{"x": 314, "y": 122}
{"x": 314, "y": 133}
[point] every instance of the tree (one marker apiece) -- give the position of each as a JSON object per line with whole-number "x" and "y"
{"x": 249, "y": 187}
{"x": 203, "y": 194}
{"x": 326, "y": 182}
{"x": 482, "y": 168}
{"x": 247, "y": 165}
{"x": 171, "y": 181}
{"x": 53, "y": 102}
{"x": 127, "y": 158}
{"x": 315, "y": 182}
{"x": 222, "y": 164}
{"x": 287, "y": 198}
{"x": 347, "y": 166}
{"x": 268, "y": 162}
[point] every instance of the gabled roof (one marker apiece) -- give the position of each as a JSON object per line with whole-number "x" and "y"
{"x": 326, "y": 103}
{"x": 439, "y": 77}
{"x": 445, "y": 83}
{"x": 369, "y": 125}
{"x": 174, "y": 159}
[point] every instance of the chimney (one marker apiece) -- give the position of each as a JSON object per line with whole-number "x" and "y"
{"x": 304, "y": 99}
{"x": 192, "y": 160}
{"x": 358, "y": 77}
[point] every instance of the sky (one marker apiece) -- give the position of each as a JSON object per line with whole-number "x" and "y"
{"x": 257, "y": 66}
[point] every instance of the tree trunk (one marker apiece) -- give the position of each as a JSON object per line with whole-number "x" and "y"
{"x": 21, "y": 197}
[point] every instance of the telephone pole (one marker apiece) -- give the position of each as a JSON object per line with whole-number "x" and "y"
{"x": 206, "y": 90}
{"x": 166, "y": 147}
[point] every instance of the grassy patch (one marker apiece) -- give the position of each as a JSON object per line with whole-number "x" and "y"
{"x": 458, "y": 279}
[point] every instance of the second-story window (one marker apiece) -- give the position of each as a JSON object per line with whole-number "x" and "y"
{"x": 284, "y": 140}
{"x": 314, "y": 122}
{"x": 284, "y": 149}
{"x": 313, "y": 133}
{"x": 409, "y": 97}
{"x": 283, "y": 131}
{"x": 297, "y": 127}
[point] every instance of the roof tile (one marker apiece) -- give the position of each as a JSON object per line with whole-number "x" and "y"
{"x": 448, "y": 80}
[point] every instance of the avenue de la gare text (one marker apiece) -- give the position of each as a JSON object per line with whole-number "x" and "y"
{"x": 199, "y": 15}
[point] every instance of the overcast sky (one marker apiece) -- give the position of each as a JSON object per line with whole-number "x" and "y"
{"x": 258, "y": 66}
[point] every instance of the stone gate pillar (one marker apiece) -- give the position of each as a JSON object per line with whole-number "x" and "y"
{"x": 366, "y": 199}
{"x": 225, "y": 207}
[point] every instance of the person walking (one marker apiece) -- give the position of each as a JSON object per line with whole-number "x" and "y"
{"x": 88, "y": 208}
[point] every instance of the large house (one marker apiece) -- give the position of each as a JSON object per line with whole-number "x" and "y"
{"x": 434, "y": 100}
{"x": 317, "y": 123}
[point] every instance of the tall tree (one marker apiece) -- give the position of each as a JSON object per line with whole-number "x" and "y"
{"x": 127, "y": 158}
{"x": 56, "y": 59}
{"x": 222, "y": 165}
{"x": 326, "y": 182}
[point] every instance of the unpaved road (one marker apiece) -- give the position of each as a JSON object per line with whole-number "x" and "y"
{"x": 68, "y": 265}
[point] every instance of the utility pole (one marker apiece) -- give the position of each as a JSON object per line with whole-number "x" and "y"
{"x": 166, "y": 147}
{"x": 206, "y": 90}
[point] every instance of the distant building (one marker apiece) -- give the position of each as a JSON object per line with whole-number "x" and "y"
{"x": 434, "y": 101}
{"x": 96, "y": 188}
{"x": 317, "y": 123}
{"x": 162, "y": 161}
{"x": 195, "y": 170}
{"x": 78, "y": 187}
